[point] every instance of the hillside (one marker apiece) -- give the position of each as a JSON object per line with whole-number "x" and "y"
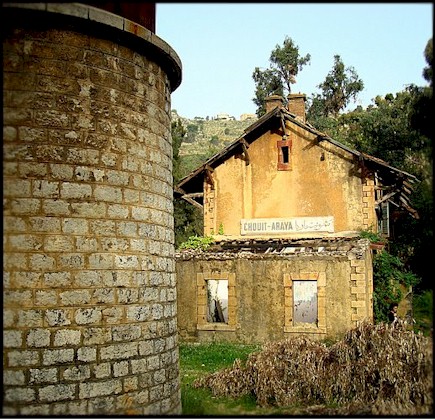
{"x": 206, "y": 137}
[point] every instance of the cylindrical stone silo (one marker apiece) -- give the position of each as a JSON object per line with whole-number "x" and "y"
{"x": 89, "y": 304}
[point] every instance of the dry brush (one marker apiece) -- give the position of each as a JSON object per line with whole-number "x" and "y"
{"x": 375, "y": 369}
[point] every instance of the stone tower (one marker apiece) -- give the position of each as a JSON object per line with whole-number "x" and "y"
{"x": 89, "y": 315}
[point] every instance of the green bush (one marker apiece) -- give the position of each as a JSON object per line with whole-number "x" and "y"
{"x": 423, "y": 312}
{"x": 197, "y": 242}
{"x": 388, "y": 274}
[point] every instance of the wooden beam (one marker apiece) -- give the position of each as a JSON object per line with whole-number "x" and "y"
{"x": 194, "y": 195}
{"x": 192, "y": 201}
{"x": 386, "y": 197}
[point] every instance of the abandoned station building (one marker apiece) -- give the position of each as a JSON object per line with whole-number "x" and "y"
{"x": 289, "y": 204}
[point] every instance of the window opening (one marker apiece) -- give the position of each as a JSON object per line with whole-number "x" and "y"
{"x": 217, "y": 301}
{"x": 284, "y": 151}
{"x": 285, "y": 154}
{"x": 305, "y": 301}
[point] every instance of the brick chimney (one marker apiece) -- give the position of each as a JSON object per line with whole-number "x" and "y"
{"x": 273, "y": 101}
{"x": 296, "y": 104}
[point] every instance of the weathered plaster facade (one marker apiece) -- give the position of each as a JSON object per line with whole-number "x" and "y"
{"x": 89, "y": 303}
{"x": 321, "y": 180}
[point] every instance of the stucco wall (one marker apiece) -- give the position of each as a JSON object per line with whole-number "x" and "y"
{"x": 323, "y": 181}
{"x": 89, "y": 309}
{"x": 261, "y": 293}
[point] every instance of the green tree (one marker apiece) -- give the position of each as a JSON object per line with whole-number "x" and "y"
{"x": 187, "y": 218}
{"x": 421, "y": 118}
{"x": 341, "y": 85}
{"x": 285, "y": 64}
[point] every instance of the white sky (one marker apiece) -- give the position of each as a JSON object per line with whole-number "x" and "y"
{"x": 220, "y": 44}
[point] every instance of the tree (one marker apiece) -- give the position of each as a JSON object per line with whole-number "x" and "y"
{"x": 340, "y": 86}
{"x": 285, "y": 64}
{"x": 421, "y": 119}
{"x": 187, "y": 219}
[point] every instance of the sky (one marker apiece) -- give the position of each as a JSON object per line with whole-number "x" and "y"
{"x": 220, "y": 45}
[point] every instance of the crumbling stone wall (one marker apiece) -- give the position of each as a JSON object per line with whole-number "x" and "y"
{"x": 89, "y": 315}
{"x": 262, "y": 293}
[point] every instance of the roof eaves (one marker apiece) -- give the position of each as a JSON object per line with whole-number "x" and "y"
{"x": 228, "y": 151}
{"x": 291, "y": 117}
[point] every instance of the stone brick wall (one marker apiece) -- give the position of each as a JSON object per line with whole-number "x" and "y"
{"x": 260, "y": 290}
{"x": 90, "y": 314}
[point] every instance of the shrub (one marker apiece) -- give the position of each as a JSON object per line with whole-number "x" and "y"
{"x": 197, "y": 242}
{"x": 375, "y": 369}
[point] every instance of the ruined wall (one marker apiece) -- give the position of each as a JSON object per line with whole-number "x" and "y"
{"x": 262, "y": 291}
{"x": 89, "y": 309}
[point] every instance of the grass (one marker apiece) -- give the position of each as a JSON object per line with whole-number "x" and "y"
{"x": 197, "y": 360}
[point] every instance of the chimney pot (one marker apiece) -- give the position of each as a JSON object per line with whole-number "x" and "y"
{"x": 273, "y": 101}
{"x": 296, "y": 104}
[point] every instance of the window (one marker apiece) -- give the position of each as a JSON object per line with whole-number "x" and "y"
{"x": 384, "y": 219}
{"x": 216, "y": 301}
{"x": 304, "y": 302}
{"x": 284, "y": 151}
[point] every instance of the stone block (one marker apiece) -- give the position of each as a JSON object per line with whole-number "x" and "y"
{"x": 43, "y": 376}
{"x": 57, "y": 279}
{"x": 75, "y": 297}
{"x": 120, "y": 368}
{"x": 57, "y": 317}
{"x": 13, "y": 377}
{"x": 19, "y": 395}
{"x": 126, "y": 332}
{"x": 60, "y": 392}
{"x": 67, "y": 337}
{"x": 102, "y": 370}
{"x": 17, "y": 358}
{"x": 98, "y": 389}
{"x": 55, "y": 357}
{"x": 103, "y": 296}
{"x": 30, "y": 318}
{"x": 87, "y": 354}
{"x": 119, "y": 351}
{"x": 77, "y": 373}
{"x": 38, "y": 338}
{"x": 71, "y": 190}
{"x": 12, "y": 338}
{"x": 108, "y": 194}
{"x": 75, "y": 226}
{"x": 88, "y": 316}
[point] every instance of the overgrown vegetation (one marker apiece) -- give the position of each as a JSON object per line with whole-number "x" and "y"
{"x": 197, "y": 242}
{"x": 375, "y": 369}
{"x": 389, "y": 274}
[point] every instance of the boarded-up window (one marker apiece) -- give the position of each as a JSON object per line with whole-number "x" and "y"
{"x": 217, "y": 301}
{"x": 304, "y": 301}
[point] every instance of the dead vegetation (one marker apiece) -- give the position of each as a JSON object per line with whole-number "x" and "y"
{"x": 375, "y": 369}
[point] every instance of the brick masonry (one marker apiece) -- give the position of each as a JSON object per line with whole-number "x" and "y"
{"x": 90, "y": 313}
